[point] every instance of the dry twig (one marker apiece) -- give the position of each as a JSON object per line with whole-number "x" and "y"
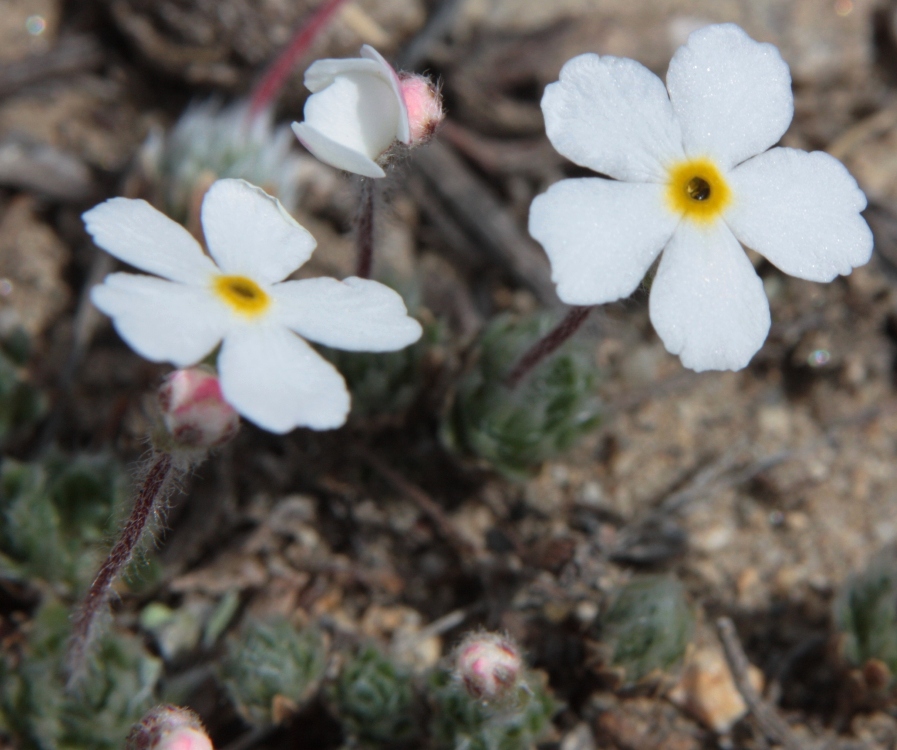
{"x": 772, "y": 725}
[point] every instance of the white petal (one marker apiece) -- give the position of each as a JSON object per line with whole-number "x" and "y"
{"x": 707, "y": 303}
{"x": 612, "y": 115}
{"x": 163, "y": 321}
{"x": 732, "y": 95}
{"x": 276, "y": 380}
{"x": 249, "y": 233}
{"x": 355, "y": 314}
{"x": 404, "y": 130}
{"x": 322, "y": 73}
{"x": 135, "y": 232}
{"x": 601, "y": 236}
{"x": 802, "y": 212}
{"x": 359, "y": 111}
{"x": 336, "y": 154}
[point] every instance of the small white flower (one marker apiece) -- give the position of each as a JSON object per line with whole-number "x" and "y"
{"x": 355, "y": 113}
{"x": 692, "y": 176}
{"x": 268, "y": 373}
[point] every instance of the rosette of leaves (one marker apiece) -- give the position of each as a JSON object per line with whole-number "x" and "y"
{"x": 272, "y": 669}
{"x": 865, "y": 614}
{"x": 646, "y": 630}
{"x": 21, "y": 404}
{"x": 373, "y": 699}
{"x": 461, "y": 722}
{"x": 514, "y": 430}
{"x": 40, "y": 713}
{"x": 210, "y": 142}
{"x": 55, "y": 515}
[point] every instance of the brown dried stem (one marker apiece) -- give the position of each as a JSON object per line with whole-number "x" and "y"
{"x": 772, "y": 725}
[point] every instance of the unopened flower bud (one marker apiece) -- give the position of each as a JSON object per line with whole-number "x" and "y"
{"x": 194, "y": 411}
{"x": 424, "y": 104}
{"x": 489, "y": 666}
{"x": 169, "y": 728}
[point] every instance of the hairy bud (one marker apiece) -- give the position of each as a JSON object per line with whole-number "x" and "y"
{"x": 489, "y": 666}
{"x": 169, "y": 728}
{"x": 424, "y": 104}
{"x": 194, "y": 411}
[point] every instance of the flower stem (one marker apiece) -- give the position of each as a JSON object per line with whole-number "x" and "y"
{"x": 365, "y": 237}
{"x": 548, "y": 344}
{"x": 148, "y": 500}
{"x": 267, "y": 89}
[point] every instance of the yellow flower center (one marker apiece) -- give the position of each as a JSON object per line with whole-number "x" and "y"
{"x": 698, "y": 191}
{"x": 242, "y": 294}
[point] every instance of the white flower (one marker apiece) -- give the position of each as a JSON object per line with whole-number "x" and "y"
{"x": 355, "y": 113}
{"x": 692, "y": 175}
{"x": 268, "y": 373}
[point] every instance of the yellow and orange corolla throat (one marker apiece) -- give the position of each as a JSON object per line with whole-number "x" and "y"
{"x": 698, "y": 191}
{"x": 242, "y": 295}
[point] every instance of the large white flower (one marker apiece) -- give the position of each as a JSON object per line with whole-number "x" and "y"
{"x": 238, "y": 298}
{"x": 355, "y": 113}
{"x": 691, "y": 174}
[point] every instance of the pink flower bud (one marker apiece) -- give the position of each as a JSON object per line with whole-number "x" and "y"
{"x": 195, "y": 413}
{"x": 489, "y": 666}
{"x": 424, "y": 104}
{"x": 169, "y": 728}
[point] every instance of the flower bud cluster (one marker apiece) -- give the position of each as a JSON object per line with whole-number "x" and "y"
{"x": 489, "y": 666}
{"x": 489, "y": 699}
{"x": 169, "y": 728}
{"x": 195, "y": 414}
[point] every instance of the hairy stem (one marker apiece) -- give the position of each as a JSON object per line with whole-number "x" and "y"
{"x": 365, "y": 236}
{"x": 148, "y": 500}
{"x": 548, "y": 344}
{"x": 267, "y": 89}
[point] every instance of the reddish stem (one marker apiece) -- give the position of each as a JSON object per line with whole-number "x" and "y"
{"x": 267, "y": 89}
{"x": 152, "y": 490}
{"x": 365, "y": 236}
{"x": 548, "y": 344}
